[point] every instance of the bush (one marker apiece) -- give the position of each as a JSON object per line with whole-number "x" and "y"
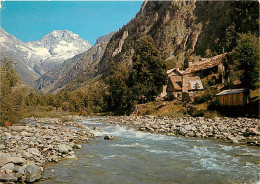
{"x": 211, "y": 114}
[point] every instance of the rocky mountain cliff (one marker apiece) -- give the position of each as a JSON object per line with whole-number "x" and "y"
{"x": 33, "y": 59}
{"x": 181, "y": 27}
{"x": 82, "y": 65}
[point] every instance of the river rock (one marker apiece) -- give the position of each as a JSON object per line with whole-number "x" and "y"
{"x": 25, "y": 154}
{"x": 17, "y": 160}
{"x": 190, "y": 134}
{"x": 2, "y": 147}
{"x": 108, "y": 137}
{"x": 9, "y": 166}
{"x": 63, "y": 148}
{"x": 3, "y": 161}
{"x": 32, "y": 173}
{"x": 77, "y": 146}
{"x": 34, "y": 151}
{"x": 7, "y": 177}
{"x": 188, "y": 127}
{"x": 6, "y": 136}
{"x": 21, "y": 170}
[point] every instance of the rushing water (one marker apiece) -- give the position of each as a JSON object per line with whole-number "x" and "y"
{"x": 138, "y": 157}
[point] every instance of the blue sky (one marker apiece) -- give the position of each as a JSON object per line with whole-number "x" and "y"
{"x": 31, "y": 20}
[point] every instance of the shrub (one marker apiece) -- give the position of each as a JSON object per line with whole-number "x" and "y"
{"x": 211, "y": 114}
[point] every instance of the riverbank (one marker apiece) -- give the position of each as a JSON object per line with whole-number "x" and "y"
{"x": 242, "y": 131}
{"x": 27, "y": 147}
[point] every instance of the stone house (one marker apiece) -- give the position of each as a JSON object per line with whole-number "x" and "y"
{"x": 178, "y": 84}
{"x": 189, "y": 80}
{"x": 207, "y": 66}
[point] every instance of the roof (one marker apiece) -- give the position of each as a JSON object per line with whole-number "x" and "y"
{"x": 170, "y": 71}
{"x": 230, "y": 91}
{"x": 175, "y": 80}
{"x": 192, "y": 83}
{"x": 205, "y": 63}
{"x": 174, "y": 70}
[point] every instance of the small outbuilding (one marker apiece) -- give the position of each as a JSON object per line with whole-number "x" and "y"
{"x": 232, "y": 97}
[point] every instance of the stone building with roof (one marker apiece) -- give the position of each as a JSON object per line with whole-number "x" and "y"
{"x": 189, "y": 80}
{"x": 179, "y": 83}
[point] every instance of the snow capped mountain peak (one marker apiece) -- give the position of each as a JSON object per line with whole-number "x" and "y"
{"x": 8, "y": 38}
{"x": 46, "y": 53}
{"x": 59, "y": 45}
{"x": 61, "y": 37}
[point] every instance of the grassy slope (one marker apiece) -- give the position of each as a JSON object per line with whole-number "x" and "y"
{"x": 176, "y": 108}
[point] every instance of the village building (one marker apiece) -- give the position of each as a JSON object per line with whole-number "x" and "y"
{"x": 207, "y": 65}
{"x": 179, "y": 84}
{"x": 189, "y": 80}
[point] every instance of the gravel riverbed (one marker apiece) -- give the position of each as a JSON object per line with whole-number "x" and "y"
{"x": 26, "y": 148}
{"x": 242, "y": 131}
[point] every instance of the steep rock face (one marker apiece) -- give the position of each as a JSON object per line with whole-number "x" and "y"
{"x": 171, "y": 24}
{"x": 74, "y": 67}
{"x": 180, "y": 27}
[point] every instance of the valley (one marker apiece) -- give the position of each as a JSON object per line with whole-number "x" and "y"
{"x": 169, "y": 95}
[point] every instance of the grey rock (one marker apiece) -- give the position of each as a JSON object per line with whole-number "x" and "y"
{"x": 2, "y": 147}
{"x": 21, "y": 170}
{"x": 32, "y": 173}
{"x": 34, "y": 151}
{"x": 6, "y": 136}
{"x": 7, "y": 177}
{"x": 63, "y": 148}
{"x": 9, "y": 166}
{"x": 17, "y": 160}
{"x": 25, "y": 154}
{"x": 190, "y": 134}
{"x": 187, "y": 127}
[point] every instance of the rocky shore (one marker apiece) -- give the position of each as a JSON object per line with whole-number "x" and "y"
{"x": 26, "y": 148}
{"x": 244, "y": 131}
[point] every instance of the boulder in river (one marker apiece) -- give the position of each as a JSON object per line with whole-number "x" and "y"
{"x": 108, "y": 137}
{"x": 63, "y": 148}
{"x": 32, "y": 173}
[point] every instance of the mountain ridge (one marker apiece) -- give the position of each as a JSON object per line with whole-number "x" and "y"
{"x": 73, "y": 67}
{"x": 34, "y": 58}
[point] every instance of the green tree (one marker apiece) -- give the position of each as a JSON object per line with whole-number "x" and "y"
{"x": 246, "y": 59}
{"x": 10, "y": 99}
{"x": 118, "y": 90}
{"x": 148, "y": 71}
{"x": 196, "y": 86}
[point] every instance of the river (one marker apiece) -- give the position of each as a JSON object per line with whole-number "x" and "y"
{"x": 140, "y": 158}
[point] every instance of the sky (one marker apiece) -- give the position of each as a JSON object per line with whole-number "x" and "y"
{"x": 31, "y": 20}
